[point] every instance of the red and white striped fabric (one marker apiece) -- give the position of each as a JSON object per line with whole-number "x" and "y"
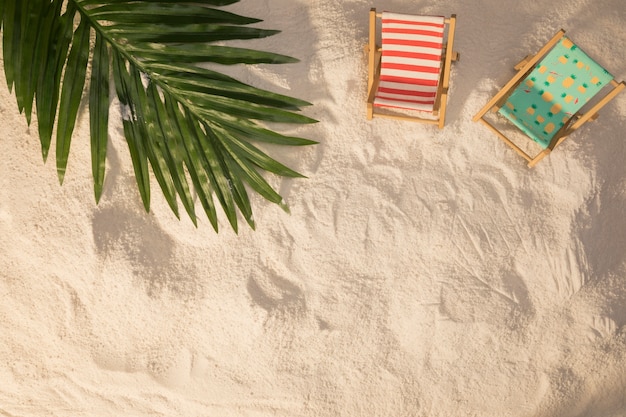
{"x": 411, "y": 61}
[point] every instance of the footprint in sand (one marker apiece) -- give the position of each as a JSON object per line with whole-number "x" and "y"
{"x": 276, "y": 294}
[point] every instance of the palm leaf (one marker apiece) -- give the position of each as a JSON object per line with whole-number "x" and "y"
{"x": 192, "y": 126}
{"x": 99, "y": 111}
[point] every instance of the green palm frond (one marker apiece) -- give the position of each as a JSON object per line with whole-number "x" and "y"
{"x": 182, "y": 121}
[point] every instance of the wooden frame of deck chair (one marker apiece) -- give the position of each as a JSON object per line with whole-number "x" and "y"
{"x": 411, "y": 71}
{"x": 547, "y": 97}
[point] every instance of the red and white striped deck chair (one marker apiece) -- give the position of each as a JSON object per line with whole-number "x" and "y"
{"x": 411, "y": 71}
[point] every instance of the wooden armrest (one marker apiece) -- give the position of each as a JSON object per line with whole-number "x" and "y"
{"x": 523, "y": 62}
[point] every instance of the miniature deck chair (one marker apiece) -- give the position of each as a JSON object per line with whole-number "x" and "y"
{"x": 411, "y": 71}
{"x": 547, "y": 99}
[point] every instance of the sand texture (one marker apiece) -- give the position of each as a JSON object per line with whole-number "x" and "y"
{"x": 420, "y": 273}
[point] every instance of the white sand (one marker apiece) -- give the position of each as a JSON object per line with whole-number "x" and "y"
{"x": 420, "y": 273}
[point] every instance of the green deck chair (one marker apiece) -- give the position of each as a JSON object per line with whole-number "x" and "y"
{"x": 547, "y": 99}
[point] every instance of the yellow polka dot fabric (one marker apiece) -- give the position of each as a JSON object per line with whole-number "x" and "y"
{"x": 564, "y": 81}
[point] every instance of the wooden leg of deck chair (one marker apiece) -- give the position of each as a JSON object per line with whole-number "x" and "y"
{"x": 442, "y": 110}
{"x": 370, "y": 97}
{"x": 371, "y": 53}
{"x": 439, "y": 108}
{"x": 442, "y": 96}
{"x": 372, "y": 71}
{"x": 506, "y": 140}
{"x": 370, "y": 111}
{"x": 538, "y": 158}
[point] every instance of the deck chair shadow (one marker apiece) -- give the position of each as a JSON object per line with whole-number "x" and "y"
{"x": 553, "y": 94}
{"x": 409, "y": 72}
